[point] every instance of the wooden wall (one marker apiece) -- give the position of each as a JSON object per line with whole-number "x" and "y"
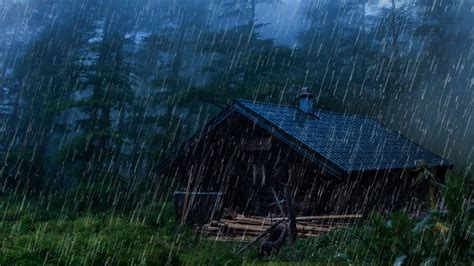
{"x": 230, "y": 159}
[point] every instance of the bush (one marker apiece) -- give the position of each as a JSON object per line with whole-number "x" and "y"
{"x": 440, "y": 238}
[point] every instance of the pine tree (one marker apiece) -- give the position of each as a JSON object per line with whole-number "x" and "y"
{"x": 47, "y": 76}
{"x": 175, "y": 42}
{"x": 441, "y": 31}
{"x": 98, "y": 148}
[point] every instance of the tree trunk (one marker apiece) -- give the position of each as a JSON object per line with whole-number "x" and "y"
{"x": 177, "y": 62}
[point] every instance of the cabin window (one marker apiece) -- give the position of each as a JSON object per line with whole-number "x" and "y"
{"x": 263, "y": 144}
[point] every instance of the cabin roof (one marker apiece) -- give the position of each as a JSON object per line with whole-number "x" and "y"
{"x": 339, "y": 142}
{"x": 353, "y": 143}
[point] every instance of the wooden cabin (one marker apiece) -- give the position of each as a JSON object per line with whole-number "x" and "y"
{"x": 331, "y": 162}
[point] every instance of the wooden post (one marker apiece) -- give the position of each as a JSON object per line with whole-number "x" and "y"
{"x": 184, "y": 213}
{"x": 291, "y": 215}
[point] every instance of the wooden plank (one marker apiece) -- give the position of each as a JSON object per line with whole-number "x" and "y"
{"x": 242, "y": 228}
{"x": 255, "y": 228}
{"x": 324, "y": 217}
{"x": 247, "y": 222}
{"x": 233, "y": 238}
{"x": 311, "y": 228}
{"x": 209, "y": 229}
{"x": 245, "y": 227}
{"x": 254, "y": 221}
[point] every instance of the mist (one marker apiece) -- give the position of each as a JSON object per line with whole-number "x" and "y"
{"x": 392, "y": 60}
{"x": 438, "y": 114}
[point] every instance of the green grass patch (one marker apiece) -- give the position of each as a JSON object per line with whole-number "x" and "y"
{"x": 33, "y": 232}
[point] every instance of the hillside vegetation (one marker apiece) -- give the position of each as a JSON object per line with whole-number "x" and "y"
{"x": 38, "y": 233}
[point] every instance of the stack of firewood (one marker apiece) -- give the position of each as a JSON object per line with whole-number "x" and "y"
{"x": 239, "y": 227}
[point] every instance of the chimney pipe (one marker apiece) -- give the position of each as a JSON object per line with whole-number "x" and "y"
{"x": 306, "y": 101}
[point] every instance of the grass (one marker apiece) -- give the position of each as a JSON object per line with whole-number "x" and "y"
{"x": 31, "y": 236}
{"x": 33, "y": 232}
{"x": 150, "y": 236}
{"x": 89, "y": 239}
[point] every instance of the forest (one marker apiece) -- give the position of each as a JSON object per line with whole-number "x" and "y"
{"x": 96, "y": 93}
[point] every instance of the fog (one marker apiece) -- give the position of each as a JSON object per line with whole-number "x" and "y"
{"x": 433, "y": 103}
{"x": 438, "y": 115}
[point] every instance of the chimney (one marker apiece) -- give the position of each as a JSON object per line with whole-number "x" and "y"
{"x": 306, "y": 101}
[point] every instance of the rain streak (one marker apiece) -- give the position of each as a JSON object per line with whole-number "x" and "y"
{"x": 231, "y": 132}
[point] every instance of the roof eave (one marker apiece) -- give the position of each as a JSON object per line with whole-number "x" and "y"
{"x": 371, "y": 170}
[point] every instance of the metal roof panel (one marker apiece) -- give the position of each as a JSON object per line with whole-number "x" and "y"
{"x": 354, "y": 143}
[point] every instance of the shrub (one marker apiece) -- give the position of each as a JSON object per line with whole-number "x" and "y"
{"x": 441, "y": 237}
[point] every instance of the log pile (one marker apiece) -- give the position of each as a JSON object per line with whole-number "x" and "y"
{"x": 244, "y": 228}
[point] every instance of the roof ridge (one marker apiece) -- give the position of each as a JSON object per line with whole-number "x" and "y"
{"x": 318, "y": 110}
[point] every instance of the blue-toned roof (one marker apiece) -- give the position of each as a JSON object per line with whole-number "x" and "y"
{"x": 353, "y": 143}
